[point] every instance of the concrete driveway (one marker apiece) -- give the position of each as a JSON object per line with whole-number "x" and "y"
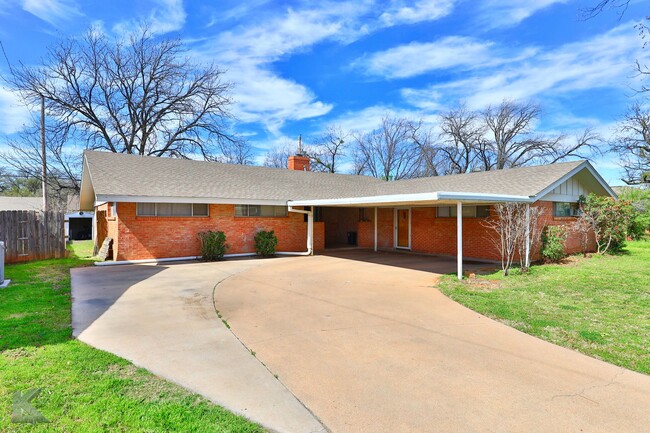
{"x": 368, "y": 345}
{"x": 162, "y": 318}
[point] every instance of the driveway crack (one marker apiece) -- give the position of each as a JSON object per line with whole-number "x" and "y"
{"x": 582, "y": 392}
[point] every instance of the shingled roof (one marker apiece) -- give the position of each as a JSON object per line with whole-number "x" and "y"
{"x": 119, "y": 177}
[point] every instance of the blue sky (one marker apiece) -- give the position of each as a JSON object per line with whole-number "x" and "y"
{"x": 299, "y": 67}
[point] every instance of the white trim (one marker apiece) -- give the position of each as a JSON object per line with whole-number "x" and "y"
{"x": 459, "y": 240}
{"x": 426, "y": 197}
{"x": 86, "y": 182}
{"x": 396, "y": 228}
{"x": 310, "y": 227}
{"x": 569, "y": 175}
{"x": 155, "y": 212}
{"x": 174, "y": 199}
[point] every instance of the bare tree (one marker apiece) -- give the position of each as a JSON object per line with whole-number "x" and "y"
{"x": 140, "y": 96}
{"x": 619, "y": 5}
{"x": 511, "y": 140}
{"x": 462, "y": 135}
{"x": 278, "y": 156}
{"x": 632, "y": 144}
{"x": 24, "y": 156}
{"x": 511, "y": 224}
{"x": 235, "y": 152}
{"x": 430, "y": 155}
{"x": 389, "y": 152}
{"x": 328, "y": 151}
{"x": 531, "y": 227}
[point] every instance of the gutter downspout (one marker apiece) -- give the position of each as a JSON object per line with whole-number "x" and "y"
{"x": 310, "y": 228}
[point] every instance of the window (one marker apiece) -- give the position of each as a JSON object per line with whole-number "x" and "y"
{"x": 468, "y": 212}
{"x": 172, "y": 209}
{"x": 146, "y": 209}
{"x": 112, "y": 209}
{"x": 256, "y": 210}
{"x": 565, "y": 209}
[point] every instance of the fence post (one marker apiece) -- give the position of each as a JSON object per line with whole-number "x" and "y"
{"x": 3, "y": 283}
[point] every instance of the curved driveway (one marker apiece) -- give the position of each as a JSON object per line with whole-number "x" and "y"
{"x": 370, "y": 347}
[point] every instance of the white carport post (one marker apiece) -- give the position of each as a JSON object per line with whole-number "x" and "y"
{"x": 375, "y": 220}
{"x": 310, "y": 231}
{"x": 459, "y": 238}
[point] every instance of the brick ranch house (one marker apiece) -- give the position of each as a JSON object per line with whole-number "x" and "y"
{"x": 154, "y": 207}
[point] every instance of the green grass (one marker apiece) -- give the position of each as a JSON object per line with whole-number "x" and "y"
{"x": 599, "y": 306}
{"x": 84, "y": 389}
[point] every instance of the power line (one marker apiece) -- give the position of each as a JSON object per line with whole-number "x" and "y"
{"x": 13, "y": 74}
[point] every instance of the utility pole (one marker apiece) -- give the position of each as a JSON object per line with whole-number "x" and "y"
{"x": 43, "y": 156}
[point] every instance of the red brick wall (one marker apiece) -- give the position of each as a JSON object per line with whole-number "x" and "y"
{"x": 433, "y": 235}
{"x": 112, "y": 226}
{"x": 385, "y": 229}
{"x": 159, "y": 237}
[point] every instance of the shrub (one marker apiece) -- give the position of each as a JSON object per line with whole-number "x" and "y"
{"x": 553, "y": 239}
{"x": 213, "y": 245}
{"x": 609, "y": 219}
{"x": 265, "y": 243}
{"x": 639, "y": 198}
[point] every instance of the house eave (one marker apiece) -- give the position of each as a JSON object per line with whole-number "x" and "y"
{"x": 419, "y": 199}
{"x": 103, "y": 198}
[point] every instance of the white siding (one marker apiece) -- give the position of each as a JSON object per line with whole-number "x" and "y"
{"x": 569, "y": 190}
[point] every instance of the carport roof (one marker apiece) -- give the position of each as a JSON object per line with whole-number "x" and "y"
{"x": 119, "y": 177}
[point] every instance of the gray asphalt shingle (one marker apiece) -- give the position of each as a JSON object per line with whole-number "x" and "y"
{"x": 133, "y": 175}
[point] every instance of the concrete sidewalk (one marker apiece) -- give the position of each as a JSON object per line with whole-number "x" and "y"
{"x": 162, "y": 318}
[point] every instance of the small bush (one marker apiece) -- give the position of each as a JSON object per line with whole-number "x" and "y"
{"x": 265, "y": 243}
{"x": 553, "y": 238}
{"x": 213, "y": 245}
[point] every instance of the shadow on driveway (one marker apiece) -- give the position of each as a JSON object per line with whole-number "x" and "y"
{"x": 96, "y": 289}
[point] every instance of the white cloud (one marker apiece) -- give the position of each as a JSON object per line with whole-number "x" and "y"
{"x": 501, "y": 13}
{"x": 369, "y": 118}
{"x": 602, "y": 61}
{"x": 403, "y": 12}
{"x": 261, "y": 96}
{"x": 165, "y": 16}
{"x": 52, "y": 11}
{"x": 417, "y": 58}
{"x": 13, "y": 114}
{"x": 249, "y": 50}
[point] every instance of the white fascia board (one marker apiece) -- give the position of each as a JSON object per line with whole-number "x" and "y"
{"x": 411, "y": 199}
{"x": 572, "y": 173}
{"x": 169, "y": 199}
{"x": 470, "y": 196}
{"x": 377, "y": 199}
{"x": 86, "y": 191}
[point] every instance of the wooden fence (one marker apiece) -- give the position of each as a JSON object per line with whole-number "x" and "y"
{"x": 31, "y": 235}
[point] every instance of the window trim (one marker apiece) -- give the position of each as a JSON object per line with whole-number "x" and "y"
{"x": 155, "y": 212}
{"x": 286, "y": 211}
{"x": 574, "y": 206}
{"x": 453, "y": 209}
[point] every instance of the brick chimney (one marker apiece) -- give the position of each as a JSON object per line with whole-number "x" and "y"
{"x": 299, "y": 161}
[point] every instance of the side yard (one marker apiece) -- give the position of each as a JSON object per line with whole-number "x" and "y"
{"x": 599, "y": 306}
{"x": 84, "y": 389}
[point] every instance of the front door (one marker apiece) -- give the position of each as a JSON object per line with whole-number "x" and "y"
{"x": 403, "y": 228}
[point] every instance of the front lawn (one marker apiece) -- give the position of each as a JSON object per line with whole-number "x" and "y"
{"x": 599, "y": 306}
{"x": 84, "y": 389}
